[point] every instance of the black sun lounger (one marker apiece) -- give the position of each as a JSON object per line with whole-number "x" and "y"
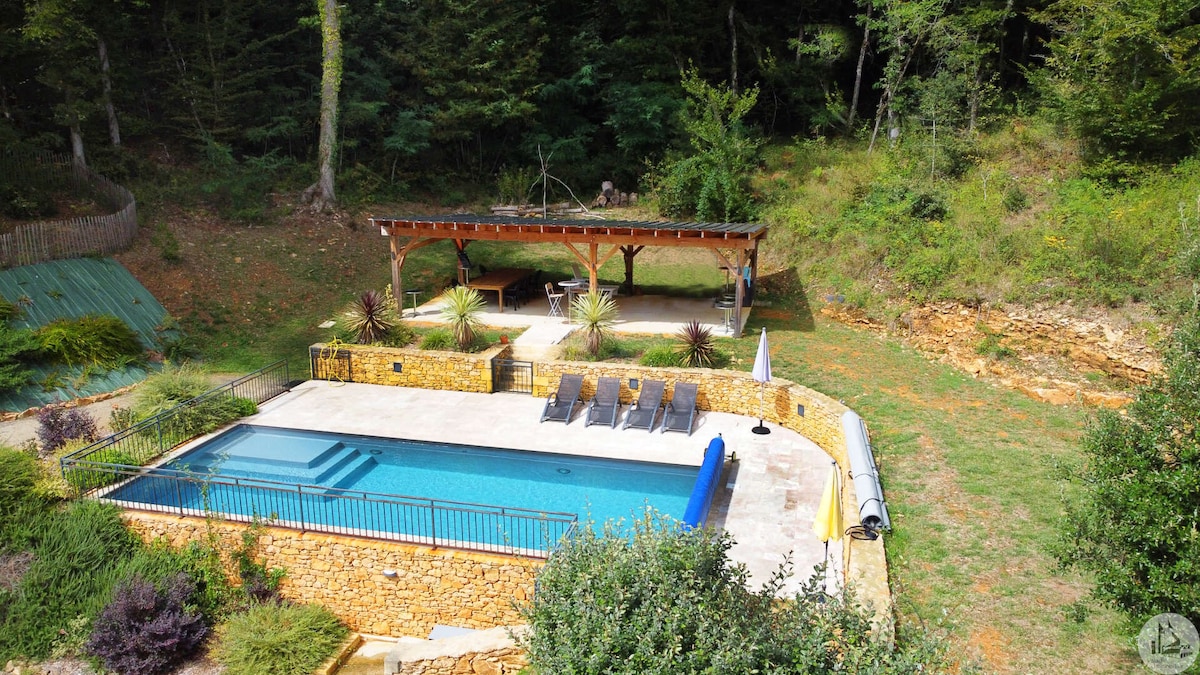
{"x": 560, "y": 404}
{"x": 643, "y": 412}
{"x": 606, "y": 404}
{"x": 681, "y": 411}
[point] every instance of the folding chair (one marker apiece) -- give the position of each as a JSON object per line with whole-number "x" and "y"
{"x": 555, "y": 299}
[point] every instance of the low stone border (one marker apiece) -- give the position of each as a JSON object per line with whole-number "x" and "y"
{"x": 487, "y": 652}
{"x": 335, "y": 662}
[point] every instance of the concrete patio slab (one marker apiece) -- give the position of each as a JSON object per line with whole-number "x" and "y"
{"x": 769, "y": 495}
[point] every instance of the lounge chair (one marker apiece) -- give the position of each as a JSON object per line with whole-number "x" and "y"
{"x": 560, "y": 404}
{"x": 606, "y": 404}
{"x": 644, "y": 410}
{"x": 681, "y": 411}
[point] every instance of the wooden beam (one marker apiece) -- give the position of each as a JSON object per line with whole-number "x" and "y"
{"x": 606, "y": 256}
{"x": 558, "y": 235}
{"x": 399, "y": 254}
{"x": 629, "y": 252}
{"x": 739, "y": 297}
{"x": 593, "y": 276}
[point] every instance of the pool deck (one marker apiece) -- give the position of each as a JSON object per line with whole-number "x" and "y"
{"x": 769, "y": 495}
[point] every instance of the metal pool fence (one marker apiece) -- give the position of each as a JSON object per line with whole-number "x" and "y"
{"x": 415, "y": 520}
{"x": 112, "y": 469}
{"x": 143, "y": 442}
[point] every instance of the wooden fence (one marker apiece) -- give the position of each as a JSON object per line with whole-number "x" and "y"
{"x": 76, "y": 237}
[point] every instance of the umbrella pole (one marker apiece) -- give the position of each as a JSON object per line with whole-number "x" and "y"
{"x": 762, "y": 395}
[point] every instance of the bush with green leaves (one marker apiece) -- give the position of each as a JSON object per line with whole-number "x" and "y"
{"x": 713, "y": 182}
{"x": 168, "y": 388}
{"x": 100, "y": 340}
{"x": 1134, "y": 522}
{"x": 438, "y": 339}
{"x": 147, "y": 629}
{"x": 662, "y": 600}
{"x": 78, "y": 553}
{"x": 19, "y": 473}
{"x": 277, "y": 639}
{"x": 18, "y": 347}
{"x": 662, "y": 356}
{"x": 460, "y": 309}
{"x": 596, "y": 313}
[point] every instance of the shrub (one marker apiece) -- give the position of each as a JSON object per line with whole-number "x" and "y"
{"x": 16, "y": 348}
{"x": 100, "y": 340}
{"x": 276, "y": 639}
{"x": 400, "y": 335}
{"x": 58, "y": 424}
{"x": 78, "y": 553}
{"x": 596, "y": 314}
{"x": 663, "y": 600}
{"x": 663, "y": 356}
{"x": 168, "y": 388}
{"x": 437, "y": 339}
{"x": 146, "y": 630}
{"x": 19, "y": 474}
{"x": 369, "y": 318}
{"x": 208, "y": 415}
{"x": 461, "y": 307}
{"x": 695, "y": 347}
{"x": 26, "y": 202}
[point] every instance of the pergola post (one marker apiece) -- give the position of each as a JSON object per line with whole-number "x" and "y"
{"x": 629, "y": 252}
{"x": 739, "y": 293}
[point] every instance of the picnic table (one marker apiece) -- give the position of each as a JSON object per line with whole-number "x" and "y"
{"x": 499, "y": 280}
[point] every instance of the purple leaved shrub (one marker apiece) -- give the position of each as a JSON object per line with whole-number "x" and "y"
{"x": 58, "y": 424}
{"x": 146, "y": 630}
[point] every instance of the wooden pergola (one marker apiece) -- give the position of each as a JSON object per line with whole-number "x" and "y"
{"x": 591, "y": 242}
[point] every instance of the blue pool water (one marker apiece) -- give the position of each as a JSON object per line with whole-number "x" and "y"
{"x": 259, "y": 471}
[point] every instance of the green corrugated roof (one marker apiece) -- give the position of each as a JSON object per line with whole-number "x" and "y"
{"x": 73, "y": 288}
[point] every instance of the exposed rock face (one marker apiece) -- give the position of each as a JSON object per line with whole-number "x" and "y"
{"x": 1047, "y": 353}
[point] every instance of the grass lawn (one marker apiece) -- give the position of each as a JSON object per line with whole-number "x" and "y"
{"x": 969, "y": 472}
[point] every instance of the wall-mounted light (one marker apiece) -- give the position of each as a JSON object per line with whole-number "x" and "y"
{"x": 800, "y": 409}
{"x": 397, "y": 367}
{"x": 390, "y": 574}
{"x": 633, "y": 383}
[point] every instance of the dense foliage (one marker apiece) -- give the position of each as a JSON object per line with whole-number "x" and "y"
{"x": 278, "y": 639}
{"x": 668, "y": 601}
{"x": 430, "y": 89}
{"x": 596, "y": 314}
{"x": 58, "y": 424}
{"x": 461, "y": 307}
{"x": 94, "y": 339}
{"x": 146, "y": 630}
{"x": 370, "y": 317}
{"x": 1135, "y": 524}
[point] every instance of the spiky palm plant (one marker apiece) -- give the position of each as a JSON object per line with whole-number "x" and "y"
{"x": 460, "y": 308}
{"x": 695, "y": 347}
{"x": 596, "y": 313}
{"x": 369, "y": 317}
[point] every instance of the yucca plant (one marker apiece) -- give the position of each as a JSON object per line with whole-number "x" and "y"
{"x": 596, "y": 314}
{"x": 369, "y": 317}
{"x": 460, "y": 308}
{"x": 695, "y": 347}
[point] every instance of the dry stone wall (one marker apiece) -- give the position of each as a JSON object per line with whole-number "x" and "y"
{"x": 346, "y": 575}
{"x": 421, "y": 368}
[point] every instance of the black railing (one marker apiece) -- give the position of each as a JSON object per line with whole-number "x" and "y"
{"x": 430, "y": 522}
{"x": 153, "y": 436}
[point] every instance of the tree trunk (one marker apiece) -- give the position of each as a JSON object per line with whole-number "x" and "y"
{"x": 733, "y": 59}
{"x": 78, "y": 158}
{"x": 114, "y": 128}
{"x": 858, "y": 71}
{"x": 321, "y": 194}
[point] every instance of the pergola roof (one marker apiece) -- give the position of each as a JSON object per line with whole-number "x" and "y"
{"x": 499, "y": 228}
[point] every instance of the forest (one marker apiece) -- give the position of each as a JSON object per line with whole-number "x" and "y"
{"x": 434, "y": 93}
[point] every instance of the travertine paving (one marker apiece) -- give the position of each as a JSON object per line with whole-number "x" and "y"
{"x": 770, "y": 492}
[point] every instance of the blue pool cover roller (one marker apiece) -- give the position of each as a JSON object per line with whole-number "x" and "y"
{"x": 696, "y": 513}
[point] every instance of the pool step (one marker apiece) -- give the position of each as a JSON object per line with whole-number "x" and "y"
{"x": 349, "y": 473}
{"x": 333, "y": 461}
{"x": 334, "y": 465}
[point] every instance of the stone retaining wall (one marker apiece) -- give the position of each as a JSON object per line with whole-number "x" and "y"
{"x": 420, "y": 368}
{"x": 345, "y": 574}
{"x": 792, "y": 406}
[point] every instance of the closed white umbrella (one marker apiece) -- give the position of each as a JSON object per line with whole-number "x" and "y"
{"x": 762, "y": 375}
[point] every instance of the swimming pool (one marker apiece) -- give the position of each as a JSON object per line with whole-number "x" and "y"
{"x": 436, "y": 493}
